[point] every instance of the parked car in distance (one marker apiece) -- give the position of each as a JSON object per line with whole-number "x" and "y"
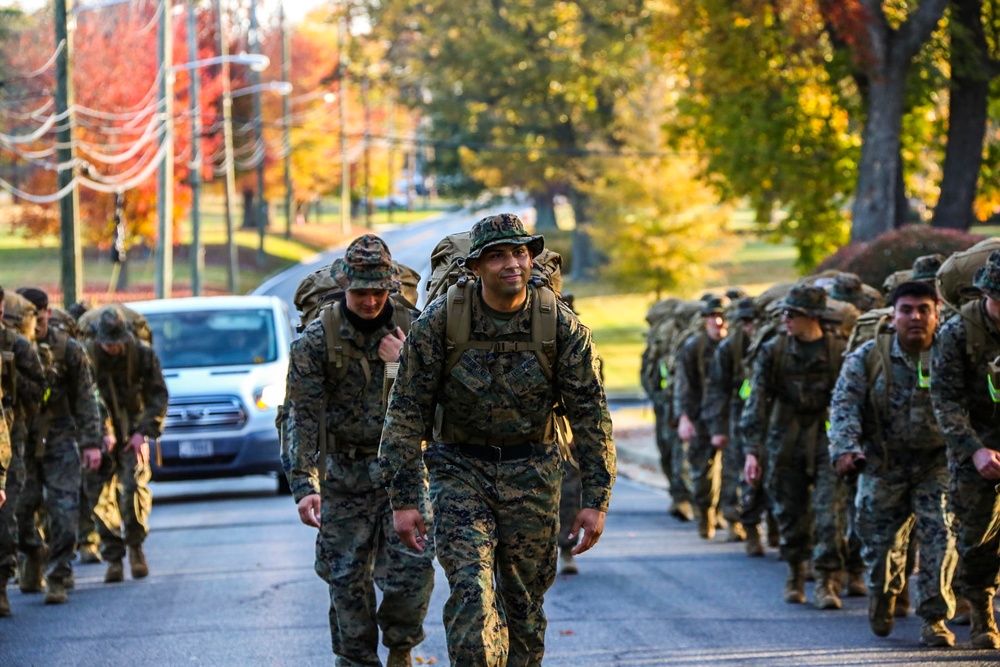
{"x": 224, "y": 360}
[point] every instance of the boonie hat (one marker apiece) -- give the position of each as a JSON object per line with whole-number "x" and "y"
{"x": 846, "y": 287}
{"x": 925, "y": 268}
{"x": 746, "y": 309}
{"x": 713, "y": 306}
{"x": 368, "y": 265}
{"x": 111, "y": 327}
{"x": 500, "y": 229}
{"x": 806, "y": 299}
{"x": 988, "y": 277}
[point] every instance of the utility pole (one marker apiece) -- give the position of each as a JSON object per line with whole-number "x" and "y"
{"x": 165, "y": 198}
{"x": 392, "y": 156}
{"x": 261, "y": 208}
{"x": 367, "y": 150}
{"x": 69, "y": 206}
{"x": 286, "y": 118}
{"x": 233, "y": 273}
{"x": 345, "y": 167}
{"x": 194, "y": 92}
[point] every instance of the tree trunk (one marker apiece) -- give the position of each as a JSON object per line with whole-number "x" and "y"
{"x": 584, "y": 260}
{"x": 967, "y": 114}
{"x": 249, "y": 217}
{"x": 545, "y": 212}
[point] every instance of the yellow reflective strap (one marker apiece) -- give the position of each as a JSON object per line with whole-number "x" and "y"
{"x": 45, "y": 398}
{"x": 923, "y": 381}
{"x": 745, "y": 390}
{"x": 994, "y": 394}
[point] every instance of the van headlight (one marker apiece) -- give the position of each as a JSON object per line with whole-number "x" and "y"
{"x": 270, "y": 396}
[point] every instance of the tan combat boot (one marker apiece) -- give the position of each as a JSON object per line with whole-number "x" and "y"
{"x": 399, "y": 657}
{"x": 880, "y": 613}
{"x": 115, "y": 572}
{"x": 754, "y": 548}
{"x": 682, "y": 511}
{"x": 856, "y": 587}
{"x": 137, "y": 562}
{"x": 825, "y": 595}
{"x": 567, "y": 565}
{"x": 984, "y": 633}
{"x": 795, "y": 584}
{"x": 736, "y": 532}
{"x": 89, "y": 553}
{"x": 4, "y": 602}
{"x": 30, "y": 580}
{"x": 56, "y": 593}
{"x": 903, "y": 601}
{"x": 935, "y": 634}
{"x": 706, "y": 524}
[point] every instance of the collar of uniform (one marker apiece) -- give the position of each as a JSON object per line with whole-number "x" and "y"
{"x": 482, "y": 323}
{"x": 364, "y": 341}
{"x": 795, "y": 348}
{"x": 897, "y": 352}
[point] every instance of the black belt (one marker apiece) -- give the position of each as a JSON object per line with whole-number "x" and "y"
{"x": 496, "y": 454}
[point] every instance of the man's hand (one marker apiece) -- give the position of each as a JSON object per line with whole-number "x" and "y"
{"x": 140, "y": 446}
{"x": 592, "y": 523}
{"x": 390, "y": 345}
{"x": 109, "y": 443}
{"x": 309, "y": 510}
{"x": 685, "y": 429}
{"x": 409, "y": 525}
{"x": 720, "y": 442}
{"x": 91, "y": 458}
{"x": 987, "y": 462}
{"x": 844, "y": 465}
{"x": 751, "y": 469}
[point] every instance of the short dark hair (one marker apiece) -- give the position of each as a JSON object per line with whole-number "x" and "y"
{"x": 913, "y": 288}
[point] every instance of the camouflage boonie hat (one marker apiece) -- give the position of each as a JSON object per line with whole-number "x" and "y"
{"x": 846, "y": 287}
{"x": 746, "y": 309}
{"x": 713, "y": 306}
{"x": 501, "y": 229}
{"x": 368, "y": 265}
{"x": 925, "y": 268}
{"x": 112, "y": 328}
{"x": 988, "y": 277}
{"x": 806, "y": 299}
{"x": 734, "y": 293}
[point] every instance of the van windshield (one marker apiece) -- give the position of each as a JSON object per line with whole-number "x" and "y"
{"x": 195, "y": 339}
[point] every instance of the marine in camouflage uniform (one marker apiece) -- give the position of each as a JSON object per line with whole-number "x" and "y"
{"x": 690, "y": 385}
{"x": 881, "y": 415}
{"x": 849, "y": 288}
{"x": 6, "y": 454}
{"x": 721, "y": 410}
{"x": 23, "y": 383}
{"x": 67, "y": 423}
{"x": 784, "y": 419}
{"x": 131, "y": 384}
{"x": 356, "y": 547}
{"x": 964, "y": 380}
{"x": 495, "y": 470}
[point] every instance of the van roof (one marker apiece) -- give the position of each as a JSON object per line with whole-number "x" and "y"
{"x": 199, "y": 303}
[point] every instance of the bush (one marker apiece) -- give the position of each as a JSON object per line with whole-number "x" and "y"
{"x": 896, "y": 250}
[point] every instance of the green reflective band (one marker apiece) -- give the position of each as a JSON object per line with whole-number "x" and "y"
{"x": 994, "y": 394}
{"x": 664, "y": 374}
{"x": 923, "y": 381}
{"x": 45, "y": 398}
{"x": 828, "y": 427}
{"x": 745, "y": 390}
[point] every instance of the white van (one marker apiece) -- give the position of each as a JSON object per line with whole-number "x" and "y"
{"x": 225, "y": 360}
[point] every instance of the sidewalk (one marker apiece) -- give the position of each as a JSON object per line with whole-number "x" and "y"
{"x": 638, "y": 457}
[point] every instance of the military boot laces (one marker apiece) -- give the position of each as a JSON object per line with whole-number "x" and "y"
{"x": 137, "y": 562}
{"x": 115, "y": 572}
{"x": 754, "y": 547}
{"x": 706, "y": 524}
{"x": 399, "y": 657}
{"x": 567, "y": 564}
{"x": 56, "y": 593}
{"x": 935, "y": 634}
{"x": 4, "y": 602}
{"x": 826, "y": 593}
{"x": 984, "y": 633}
{"x": 880, "y": 613}
{"x": 736, "y": 532}
{"x": 31, "y": 580}
{"x": 795, "y": 584}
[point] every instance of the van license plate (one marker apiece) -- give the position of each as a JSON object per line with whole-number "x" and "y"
{"x": 195, "y": 449}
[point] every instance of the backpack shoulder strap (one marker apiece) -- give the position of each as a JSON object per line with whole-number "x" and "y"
{"x": 338, "y": 350}
{"x": 977, "y": 337}
{"x": 458, "y": 321}
{"x": 778, "y": 357}
{"x": 544, "y": 323}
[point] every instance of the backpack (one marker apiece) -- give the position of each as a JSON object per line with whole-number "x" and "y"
{"x": 327, "y": 284}
{"x": 64, "y": 322}
{"x": 20, "y": 314}
{"x": 135, "y": 321}
{"x": 954, "y": 278}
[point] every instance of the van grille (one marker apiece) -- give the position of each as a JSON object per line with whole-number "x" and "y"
{"x": 204, "y": 413}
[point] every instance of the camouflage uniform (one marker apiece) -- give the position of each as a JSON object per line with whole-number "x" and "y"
{"x": 784, "y": 421}
{"x": 133, "y": 389}
{"x": 495, "y": 470}
{"x": 673, "y": 457}
{"x": 356, "y": 547}
{"x": 905, "y": 476}
{"x": 69, "y": 416}
{"x": 690, "y": 377}
{"x": 20, "y": 400}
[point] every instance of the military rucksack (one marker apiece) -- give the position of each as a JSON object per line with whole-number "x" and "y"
{"x": 63, "y": 321}
{"x": 20, "y": 314}
{"x": 954, "y": 278}
{"x": 136, "y": 322}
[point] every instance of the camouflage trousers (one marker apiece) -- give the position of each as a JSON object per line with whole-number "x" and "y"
{"x": 496, "y": 528}
{"x": 810, "y": 506}
{"x": 52, "y": 486}
{"x": 904, "y": 501}
{"x": 357, "y": 549}
{"x": 977, "y": 523}
{"x": 570, "y": 501}
{"x": 674, "y": 461}
{"x": 706, "y": 469}
{"x": 8, "y": 521}
{"x": 733, "y": 494}
{"x": 91, "y": 484}
{"x": 124, "y": 505}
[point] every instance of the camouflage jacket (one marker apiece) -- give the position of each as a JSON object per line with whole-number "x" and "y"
{"x": 723, "y": 406}
{"x": 960, "y": 392}
{"x": 796, "y": 386}
{"x": 354, "y": 408}
{"x": 904, "y": 414}
{"x": 71, "y": 407}
{"x": 691, "y": 374}
{"x": 28, "y": 390}
{"x": 136, "y": 398}
{"x": 496, "y": 395}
